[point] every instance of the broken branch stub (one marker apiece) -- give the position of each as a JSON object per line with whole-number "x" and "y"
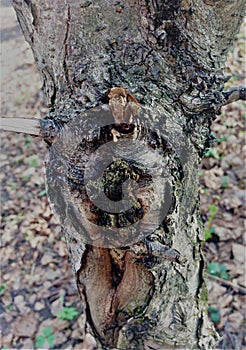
{"x": 21, "y": 125}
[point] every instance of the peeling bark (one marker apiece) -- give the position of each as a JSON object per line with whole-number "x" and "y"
{"x": 170, "y": 57}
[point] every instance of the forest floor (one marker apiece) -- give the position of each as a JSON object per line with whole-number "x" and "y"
{"x": 39, "y": 303}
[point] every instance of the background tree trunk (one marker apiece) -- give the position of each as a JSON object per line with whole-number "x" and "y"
{"x": 171, "y": 57}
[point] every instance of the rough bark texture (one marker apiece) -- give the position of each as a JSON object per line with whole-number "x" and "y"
{"x": 170, "y": 55}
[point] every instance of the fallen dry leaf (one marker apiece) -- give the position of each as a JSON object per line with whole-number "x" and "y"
{"x": 25, "y": 325}
{"x": 239, "y": 253}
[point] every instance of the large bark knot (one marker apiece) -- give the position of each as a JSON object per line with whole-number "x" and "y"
{"x": 111, "y": 181}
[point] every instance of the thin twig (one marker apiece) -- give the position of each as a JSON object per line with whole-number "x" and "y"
{"x": 60, "y": 280}
{"x": 237, "y": 289}
{"x": 22, "y": 125}
{"x": 234, "y": 94}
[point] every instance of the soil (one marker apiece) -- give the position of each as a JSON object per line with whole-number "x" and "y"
{"x": 36, "y": 281}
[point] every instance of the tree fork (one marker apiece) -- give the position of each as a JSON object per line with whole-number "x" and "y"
{"x": 170, "y": 58}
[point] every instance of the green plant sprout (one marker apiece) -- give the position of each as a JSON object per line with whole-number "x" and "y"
{"x": 33, "y": 162}
{"x": 214, "y": 314}
{"x": 218, "y": 270}
{"x": 27, "y": 140}
{"x": 9, "y": 308}
{"x": 68, "y": 313}
{"x": 213, "y": 209}
{"x": 42, "y": 193}
{"x": 225, "y": 181}
{"x": 3, "y": 288}
{"x": 212, "y": 152}
{"x": 46, "y": 337}
{"x": 219, "y": 139}
{"x": 26, "y": 177}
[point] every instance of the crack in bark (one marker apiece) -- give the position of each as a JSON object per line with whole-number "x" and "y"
{"x": 66, "y": 44}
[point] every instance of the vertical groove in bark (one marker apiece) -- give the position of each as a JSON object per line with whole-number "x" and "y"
{"x": 170, "y": 56}
{"x": 111, "y": 273}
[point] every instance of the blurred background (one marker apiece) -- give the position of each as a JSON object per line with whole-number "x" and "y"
{"x": 39, "y": 303}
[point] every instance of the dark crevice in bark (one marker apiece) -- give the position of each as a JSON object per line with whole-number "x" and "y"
{"x": 66, "y": 56}
{"x": 89, "y": 318}
{"x": 34, "y": 12}
{"x": 200, "y": 274}
{"x": 200, "y": 293}
{"x": 117, "y": 273}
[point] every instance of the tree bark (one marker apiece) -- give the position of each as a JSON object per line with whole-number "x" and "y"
{"x": 168, "y": 59}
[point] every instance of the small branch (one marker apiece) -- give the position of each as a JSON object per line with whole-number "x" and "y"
{"x": 236, "y": 288}
{"x": 22, "y": 125}
{"x": 161, "y": 251}
{"x": 59, "y": 281}
{"x": 234, "y": 94}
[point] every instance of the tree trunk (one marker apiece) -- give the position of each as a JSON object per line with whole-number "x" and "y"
{"x": 146, "y": 79}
